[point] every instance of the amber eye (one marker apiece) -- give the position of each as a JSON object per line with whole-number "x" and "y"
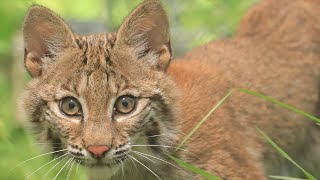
{"x": 125, "y": 104}
{"x": 70, "y": 106}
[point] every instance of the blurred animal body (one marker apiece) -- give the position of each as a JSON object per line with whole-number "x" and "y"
{"x": 114, "y": 101}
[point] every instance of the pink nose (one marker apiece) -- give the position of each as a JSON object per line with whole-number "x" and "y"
{"x": 98, "y": 151}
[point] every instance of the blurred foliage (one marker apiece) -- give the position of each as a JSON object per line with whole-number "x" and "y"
{"x": 204, "y": 19}
{"x": 193, "y": 23}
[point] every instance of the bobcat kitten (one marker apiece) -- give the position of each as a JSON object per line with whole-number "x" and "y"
{"x": 113, "y": 101}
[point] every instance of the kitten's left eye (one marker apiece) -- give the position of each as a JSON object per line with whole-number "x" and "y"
{"x": 70, "y": 106}
{"x": 125, "y": 104}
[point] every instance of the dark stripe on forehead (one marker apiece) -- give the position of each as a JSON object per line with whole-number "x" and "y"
{"x": 111, "y": 39}
{"x": 71, "y": 84}
{"x": 96, "y": 47}
{"x": 84, "y": 56}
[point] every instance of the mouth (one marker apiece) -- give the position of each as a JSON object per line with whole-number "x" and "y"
{"x": 100, "y": 163}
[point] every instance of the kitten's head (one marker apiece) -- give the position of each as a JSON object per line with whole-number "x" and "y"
{"x": 97, "y": 96}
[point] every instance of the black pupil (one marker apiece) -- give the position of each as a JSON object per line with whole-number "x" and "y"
{"x": 72, "y": 104}
{"x": 125, "y": 102}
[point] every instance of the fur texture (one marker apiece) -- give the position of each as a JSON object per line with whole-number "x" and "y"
{"x": 276, "y": 51}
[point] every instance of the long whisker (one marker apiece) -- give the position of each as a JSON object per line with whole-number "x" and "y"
{"x": 133, "y": 163}
{"x": 129, "y": 167}
{"x": 78, "y": 166}
{"x": 121, "y": 168}
{"x": 157, "y": 135}
{"x": 176, "y": 132}
{"x": 44, "y": 166}
{"x": 157, "y": 145}
{"x": 57, "y": 147}
{"x": 52, "y": 168}
{"x": 37, "y": 157}
{"x": 48, "y": 143}
{"x": 144, "y": 156}
{"x": 153, "y": 145}
{"x": 62, "y": 168}
{"x": 69, "y": 163}
{"x": 165, "y": 146}
{"x": 158, "y": 177}
{"x": 159, "y": 160}
{"x": 70, "y": 170}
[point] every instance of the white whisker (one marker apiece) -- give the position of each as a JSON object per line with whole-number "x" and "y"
{"x": 69, "y": 163}
{"x": 48, "y": 144}
{"x": 133, "y": 163}
{"x": 159, "y": 160}
{"x": 52, "y": 168}
{"x": 70, "y": 170}
{"x": 62, "y": 168}
{"x": 144, "y": 156}
{"x": 158, "y": 177}
{"x": 164, "y": 146}
{"x": 122, "y": 168}
{"x": 44, "y": 166}
{"x": 158, "y": 135}
{"x": 38, "y": 157}
{"x": 78, "y": 166}
{"x": 129, "y": 167}
{"x": 158, "y": 145}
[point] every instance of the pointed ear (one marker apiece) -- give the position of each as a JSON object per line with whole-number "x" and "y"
{"x": 146, "y": 32}
{"x": 45, "y": 36}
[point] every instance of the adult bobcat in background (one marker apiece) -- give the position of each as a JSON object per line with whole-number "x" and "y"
{"x": 114, "y": 99}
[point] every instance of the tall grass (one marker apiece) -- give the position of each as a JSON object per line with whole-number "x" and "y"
{"x": 284, "y": 154}
{"x": 268, "y": 139}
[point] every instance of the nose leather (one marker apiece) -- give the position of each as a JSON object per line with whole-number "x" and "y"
{"x": 98, "y": 151}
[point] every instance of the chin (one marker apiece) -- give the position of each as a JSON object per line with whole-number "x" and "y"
{"x": 102, "y": 170}
{"x": 100, "y": 163}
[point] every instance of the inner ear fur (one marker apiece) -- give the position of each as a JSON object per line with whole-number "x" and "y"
{"x": 146, "y": 31}
{"x": 46, "y": 35}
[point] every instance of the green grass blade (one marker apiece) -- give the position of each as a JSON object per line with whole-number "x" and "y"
{"x": 285, "y": 178}
{"x": 205, "y": 118}
{"x": 195, "y": 169}
{"x": 289, "y": 107}
{"x": 284, "y": 154}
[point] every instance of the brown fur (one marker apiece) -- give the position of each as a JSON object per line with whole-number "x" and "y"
{"x": 276, "y": 51}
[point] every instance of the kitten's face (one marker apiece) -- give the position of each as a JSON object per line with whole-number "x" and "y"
{"x": 98, "y": 96}
{"x": 87, "y": 98}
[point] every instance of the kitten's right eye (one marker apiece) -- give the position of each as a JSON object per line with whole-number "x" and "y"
{"x": 125, "y": 104}
{"x": 70, "y": 106}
